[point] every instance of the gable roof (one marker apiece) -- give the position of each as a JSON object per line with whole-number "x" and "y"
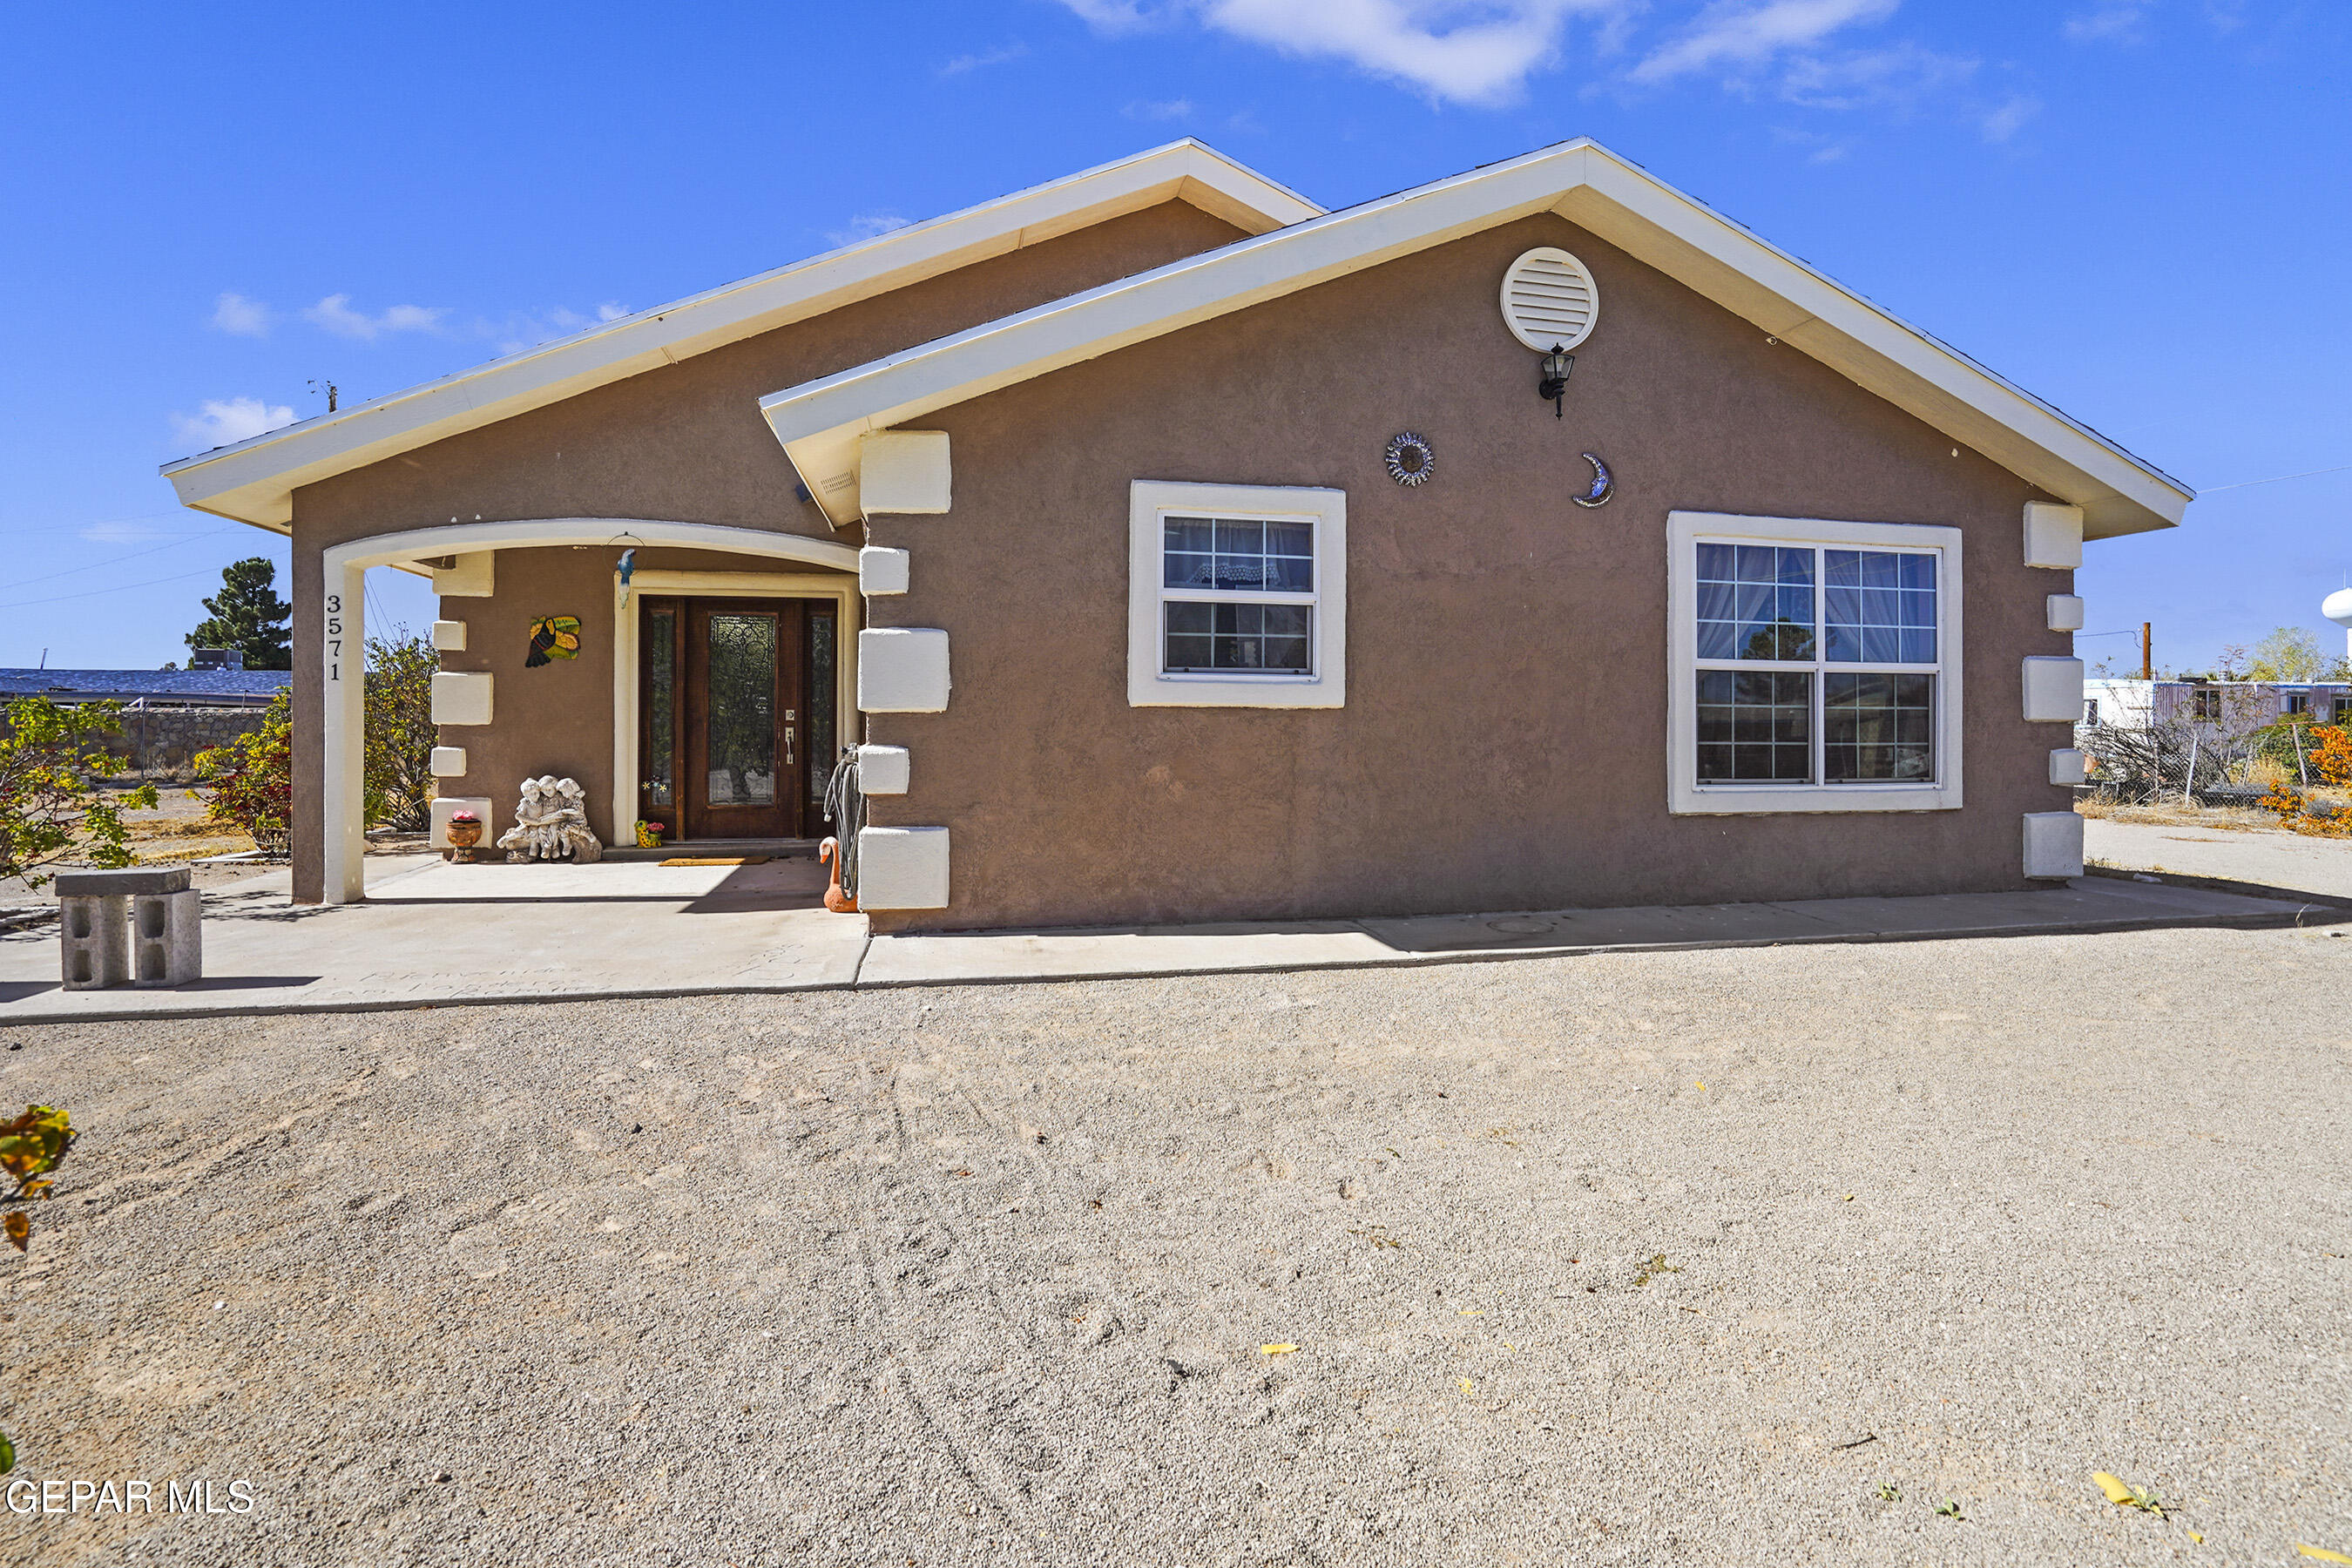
{"x": 254, "y": 481}
{"x": 819, "y": 421}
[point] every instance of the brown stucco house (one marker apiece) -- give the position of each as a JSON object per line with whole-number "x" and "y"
{"x": 1170, "y": 549}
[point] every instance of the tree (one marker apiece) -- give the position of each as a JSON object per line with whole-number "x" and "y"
{"x": 248, "y": 616}
{"x": 51, "y": 805}
{"x": 400, "y": 731}
{"x": 2290, "y": 653}
{"x": 252, "y": 778}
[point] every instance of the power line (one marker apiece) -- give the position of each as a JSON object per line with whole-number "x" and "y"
{"x": 2308, "y": 473}
{"x": 100, "y": 591}
{"x": 28, "y": 581}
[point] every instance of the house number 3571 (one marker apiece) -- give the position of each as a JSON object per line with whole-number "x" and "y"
{"x": 334, "y": 636}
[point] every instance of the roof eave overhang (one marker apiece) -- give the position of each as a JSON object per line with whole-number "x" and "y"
{"x": 254, "y": 481}
{"x": 819, "y": 422}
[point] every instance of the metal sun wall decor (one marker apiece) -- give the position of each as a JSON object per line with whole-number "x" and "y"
{"x": 1604, "y": 484}
{"x": 1411, "y": 458}
{"x": 552, "y": 637}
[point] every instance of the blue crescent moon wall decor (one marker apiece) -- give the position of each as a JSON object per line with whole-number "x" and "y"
{"x": 1604, "y": 484}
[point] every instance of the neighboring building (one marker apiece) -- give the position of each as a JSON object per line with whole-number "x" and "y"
{"x": 2235, "y": 707}
{"x": 168, "y": 715}
{"x": 1176, "y": 550}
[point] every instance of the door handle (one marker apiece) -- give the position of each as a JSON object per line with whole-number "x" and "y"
{"x": 788, "y": 745}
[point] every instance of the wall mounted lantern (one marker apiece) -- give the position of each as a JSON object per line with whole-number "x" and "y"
{"x": 1553, "y": 387}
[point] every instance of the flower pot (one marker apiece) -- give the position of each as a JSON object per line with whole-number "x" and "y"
{"x": 462, "y": 836}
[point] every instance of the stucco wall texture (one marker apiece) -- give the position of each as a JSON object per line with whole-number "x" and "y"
{"x": 684, "y": 443}
{"x": 1504, "y": 742}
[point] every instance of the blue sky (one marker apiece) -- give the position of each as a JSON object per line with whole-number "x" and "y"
{"x": 2134, "y": 208}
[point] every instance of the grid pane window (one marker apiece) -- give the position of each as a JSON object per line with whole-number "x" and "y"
{"x": 1237, "y": 596}
{"x": 1828, "y": 610}
{"x": 1878, "y": 606}
{"x": 1270, "y": 637}
{"x": 1755, "y": 602}
{"x": 1878, "y": 729}
{"x": 1241, "y": 556}
{"x": 1755, "y": 727}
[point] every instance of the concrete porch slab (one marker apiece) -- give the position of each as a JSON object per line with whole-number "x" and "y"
{"x": 431, "y": 934}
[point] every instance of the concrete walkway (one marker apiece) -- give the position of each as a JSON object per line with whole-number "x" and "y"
{"x": 2270, "y": 857}
{"x": 433, "y": 934}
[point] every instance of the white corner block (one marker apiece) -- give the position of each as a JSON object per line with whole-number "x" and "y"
{"x": 902, "y": 470}
{"x": 2053, "y": 535}
{"x": 2066, "y": 766}
{"x": 2053, "y": 690}
{"x": 2065, "y": 613}
{"x": 444, "y": 805}
{"x": 461, "y": 697}
{"x": 2053, "y": 844}
{"x": 448, "y": 637}
{"x": 467, "y": 577}
{"x": 449, "y": 761}
{"x": 881, "y": 570}
{"x": 883, "y": 770}
{"x": 901, "y": 669}
{"x": 902, "y": 868}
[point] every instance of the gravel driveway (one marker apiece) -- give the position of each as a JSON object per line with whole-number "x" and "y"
{"x": 1651, "y": 1258}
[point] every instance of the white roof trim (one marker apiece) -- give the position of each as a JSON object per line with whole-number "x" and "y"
{"x": 819, "y": 421}
{"x": 254, "y": 481}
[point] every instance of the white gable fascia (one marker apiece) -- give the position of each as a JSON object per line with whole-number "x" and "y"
{"x": 819, "y": 421}
{"x": 254, "y": 481}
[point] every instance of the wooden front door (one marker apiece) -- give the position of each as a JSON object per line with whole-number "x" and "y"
{"x": 736, "y": 702}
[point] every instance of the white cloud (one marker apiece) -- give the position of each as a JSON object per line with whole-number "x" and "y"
{"x": 2004, "y": 122}
{"x": 1742, "y": 36}
{"x": 1468, "y": 52}
{"x": 221, "y": 423}
{"x": 610, "y": 311}
{"x": 1899, "y": 77}
{"x": 1173, "y": 108}
{"x": 865, "y": 225}
{"x": 335, "y": 315}
{"x": 245, "y": 318}
{"x": 2117, "y": 21}
{"x": 964, "y": 64}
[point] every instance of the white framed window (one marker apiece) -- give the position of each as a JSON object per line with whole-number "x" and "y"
{"x": 1811, "y": 664}
{"x": 1237, "y": 595}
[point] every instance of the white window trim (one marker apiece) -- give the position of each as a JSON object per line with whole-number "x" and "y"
{"x": 1148, "y": 686}
{"x": 1685, "y": 794}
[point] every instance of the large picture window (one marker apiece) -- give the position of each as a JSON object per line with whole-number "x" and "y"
{"x": 1814, "y": 665}
{"x": 1236, "y": 595}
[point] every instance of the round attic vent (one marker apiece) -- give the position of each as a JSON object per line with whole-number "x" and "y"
{"x": 1548, "y": 300}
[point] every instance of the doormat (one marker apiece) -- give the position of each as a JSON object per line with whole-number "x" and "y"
{"x": 717, "y": 860}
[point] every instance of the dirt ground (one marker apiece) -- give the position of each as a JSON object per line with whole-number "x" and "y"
{"x": 1722, "y": 1257}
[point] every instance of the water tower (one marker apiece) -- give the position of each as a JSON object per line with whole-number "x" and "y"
{"x": 2338, "y": 607}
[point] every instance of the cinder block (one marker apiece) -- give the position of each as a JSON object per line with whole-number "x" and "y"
{"x": 94, "y": 940}
{"x": 2053, "y": 844}
{"x": 903, "y": 471}
{"x": 2053, "y": 535}
{"x": 881, "y": 570}
{"x": 461, "y": 697}
{"x": 167, "y": 943}
{"x": 473, "y": 576}
{"x": 2065, "y": 613}
{"x": 902, "y": 868}
{"x": 449, "y": 636}
{"x": 2053, "y": 690}
{"x": 883, "y": 770}
{"x": 480, "y": 804}
{"x": 449, "y": 761}
{"x": 2066, "y": 766}
{"x": 902, "y": 669}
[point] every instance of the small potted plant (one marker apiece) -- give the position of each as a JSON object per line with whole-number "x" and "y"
{"x": 650, "y": 833}
{"x": 464, "y": 831}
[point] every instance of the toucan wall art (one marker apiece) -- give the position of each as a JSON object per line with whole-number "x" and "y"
{"x": 553, "y": 637}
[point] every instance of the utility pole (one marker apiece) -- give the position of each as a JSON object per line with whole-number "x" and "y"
{"x": 2147, "y": 650}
